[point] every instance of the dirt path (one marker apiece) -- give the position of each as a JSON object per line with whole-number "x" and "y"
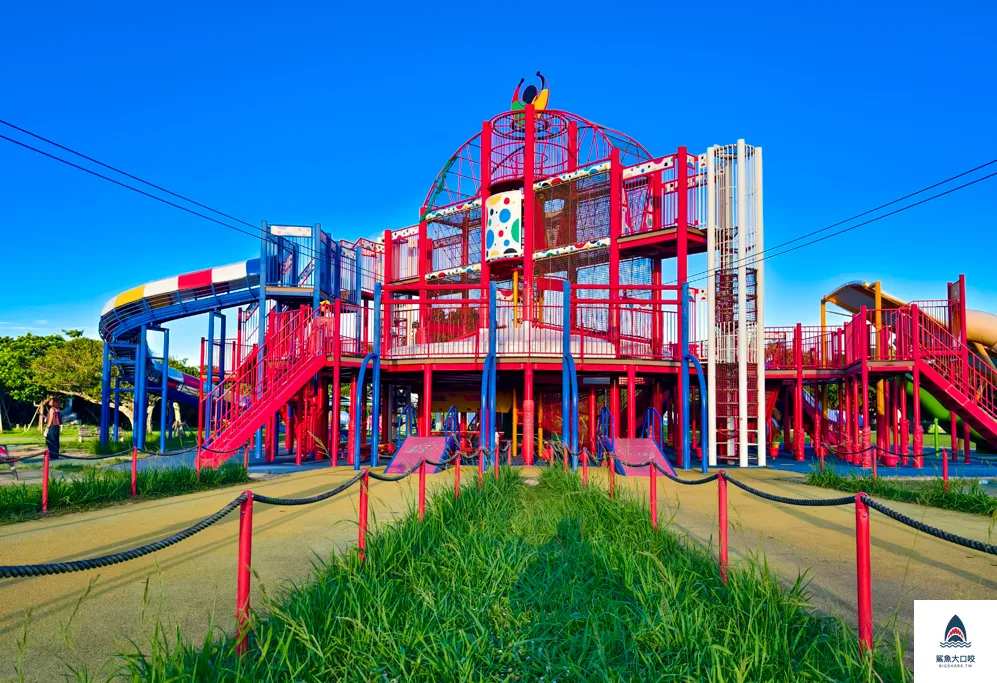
{"x": 192, "y": 584}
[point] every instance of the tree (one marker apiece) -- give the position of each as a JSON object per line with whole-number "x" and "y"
{"x": 74, "y": 368}
{"x": 16, "y": 356}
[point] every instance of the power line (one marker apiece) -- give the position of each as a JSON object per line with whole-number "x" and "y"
{"x": 125, "y": 185}
{"x": 125, "y": 173}
{"x": 704, "y": 274}
{"x": 754, "y": 257}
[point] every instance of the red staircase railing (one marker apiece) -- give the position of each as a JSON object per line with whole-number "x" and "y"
{"x": 295, "y": 349}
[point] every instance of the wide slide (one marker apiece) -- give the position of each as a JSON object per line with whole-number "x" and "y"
{"x": 626, "y": 451}
{"x": 416, "y": 448}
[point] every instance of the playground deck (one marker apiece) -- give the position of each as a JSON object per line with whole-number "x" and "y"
{"x": 194, "y": 582}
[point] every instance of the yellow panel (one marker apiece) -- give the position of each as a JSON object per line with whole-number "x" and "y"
{"x": 128, "y": 297}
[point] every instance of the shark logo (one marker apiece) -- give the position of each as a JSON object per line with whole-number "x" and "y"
{"x": 955, "y": 634}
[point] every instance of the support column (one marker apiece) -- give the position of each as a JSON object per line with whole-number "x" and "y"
{"x": 742, "y": 302}
{"x": 351, "y": 429}
{"x": 164, "y": 388}
{"x": 529, "y": 210}
{"x": 614, "y": 403}
{"x": 711, "y": 306}
{"x": 529, "y": 412}
{"x": 759, "y": 264}
{"x": 799, "y": 437}
{"x": 105, "y": 394}
{"x": 615, "y": 230}
{"x": 866, "y": 457}
{"x": 593, "y": 419}
{"x": 426, "y": 400}
{"x": 631, "y": 401}
{"x": 141, "y": 400}
{"x": 966, "y": 443}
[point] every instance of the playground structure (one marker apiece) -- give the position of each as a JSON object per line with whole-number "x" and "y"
{"x": 937, "y": 353}
{"x": 532, "y": 289}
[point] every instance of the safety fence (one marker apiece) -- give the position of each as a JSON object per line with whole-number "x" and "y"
{"x": 245, "y": 501}
{"x": 862, "y": 502}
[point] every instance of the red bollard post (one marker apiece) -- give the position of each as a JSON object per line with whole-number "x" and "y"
{"x": 134, "y": 471}
{"x": 481, "y": 468}
{"x": 45, "y": 483}
{"x": 585, "y": 468}
{"x": 456, "y": 477}
{"x": 612, "y": 476}
{"x": 422, "y": 490}
{"x": 242, "y": 573}
{"x": 497, "y": 459}
{"x": 654, "y": 496}
{"x": 863, "y": 571}
{"x": 945, "y": 470}
{"x": 362, "y": 538}
{"x": 722, "y": 518}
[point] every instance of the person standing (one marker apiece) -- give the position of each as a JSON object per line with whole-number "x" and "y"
{"x": 54, "y": 425}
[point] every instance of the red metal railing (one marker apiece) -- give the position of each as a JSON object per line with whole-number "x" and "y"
{"x": 295, "y": 347}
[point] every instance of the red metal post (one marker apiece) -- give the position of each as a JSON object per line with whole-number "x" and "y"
{"x": 362, "y": 533}
{"x": 426, "y": 399}
{"x": 612, "y": 476}
{"x": 954, "y": 433}
{"x": 585, "y": 468}
{"x": 863, "y": 573}
{"x": 867, "y": 458}
{"x": 529, "y": 210}
{"x": 631, "y": 401}
{"x": 337, "y": 355}
{"x": 965, "y": 442}
{"x": 485, "y": 183}
{"x": 481, "y": 465}
{"x": 352, "y": 426}
{"x": 242, "y": 572}
{"x": 529, "y": 412}
{"x": 45, "y": 483}
{"x": 945, "y": 470}
{"x": 722, "y": 521}
{"x": 593, "y": 418}
{"x": 615, "y": 230}
{"x": 799, "y": 437}
{"x": 456, "y": 476}
{"x": 134, "y": 471}
{"x": 654, "y": 496}
{"x": 422, "y": 489}
{"x": 614, "y": 403}
{"x": 682, "y": 218}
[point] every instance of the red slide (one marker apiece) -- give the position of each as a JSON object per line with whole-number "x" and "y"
{"x": 416, "y": 448}
{"x": 638, "y": 450}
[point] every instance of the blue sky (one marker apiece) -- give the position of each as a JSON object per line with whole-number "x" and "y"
{"x": 343, "y": 115}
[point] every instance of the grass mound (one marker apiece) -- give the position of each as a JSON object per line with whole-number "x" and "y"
{"x": 964, "y": 495}
{"x": 531, "y": 583}
{"x": 97, "y": 487}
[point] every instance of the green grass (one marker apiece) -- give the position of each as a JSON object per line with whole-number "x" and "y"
{"x": 964, "y": 495}
{"x": 545, "y": 582}
{"x": 96, "y": 488}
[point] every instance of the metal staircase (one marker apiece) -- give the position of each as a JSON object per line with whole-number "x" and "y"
{"x": 963, "y": 385}
{"x": 295, "y": 349}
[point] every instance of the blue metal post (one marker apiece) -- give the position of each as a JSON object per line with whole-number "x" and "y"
{"x": 493, "y": 351}
{"x": 702, "y": 407}
{"x": 684, "y": 377}
{"x": 221, "y": 345}
{"x": 210, "y": 366}
{"x": 138, "y": 426}
{"x": 375, "y": 394}
{"x": 163, "y": 403}
{"x": 117, "y": 405}
{"x": 565, "y": 352}
{"x": 358, "y": 292}
{"x": 105, "y": 394}
{"x": 337, "y": 286}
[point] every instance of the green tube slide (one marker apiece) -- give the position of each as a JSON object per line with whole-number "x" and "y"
{"x": 932, "y": 408}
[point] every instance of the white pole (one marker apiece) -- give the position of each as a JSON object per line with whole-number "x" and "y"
{"x": 742, "y": 306}
{"x": 760, "y": 308}
{"x": 711, "y": 305}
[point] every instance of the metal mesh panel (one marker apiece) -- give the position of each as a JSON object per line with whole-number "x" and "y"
{"x": 456, "y": 239}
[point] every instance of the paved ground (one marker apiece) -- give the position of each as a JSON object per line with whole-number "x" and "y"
{"x": 193, "y": 583}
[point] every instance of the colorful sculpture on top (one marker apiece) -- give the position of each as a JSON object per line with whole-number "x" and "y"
{"x": 531, "y": 95}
